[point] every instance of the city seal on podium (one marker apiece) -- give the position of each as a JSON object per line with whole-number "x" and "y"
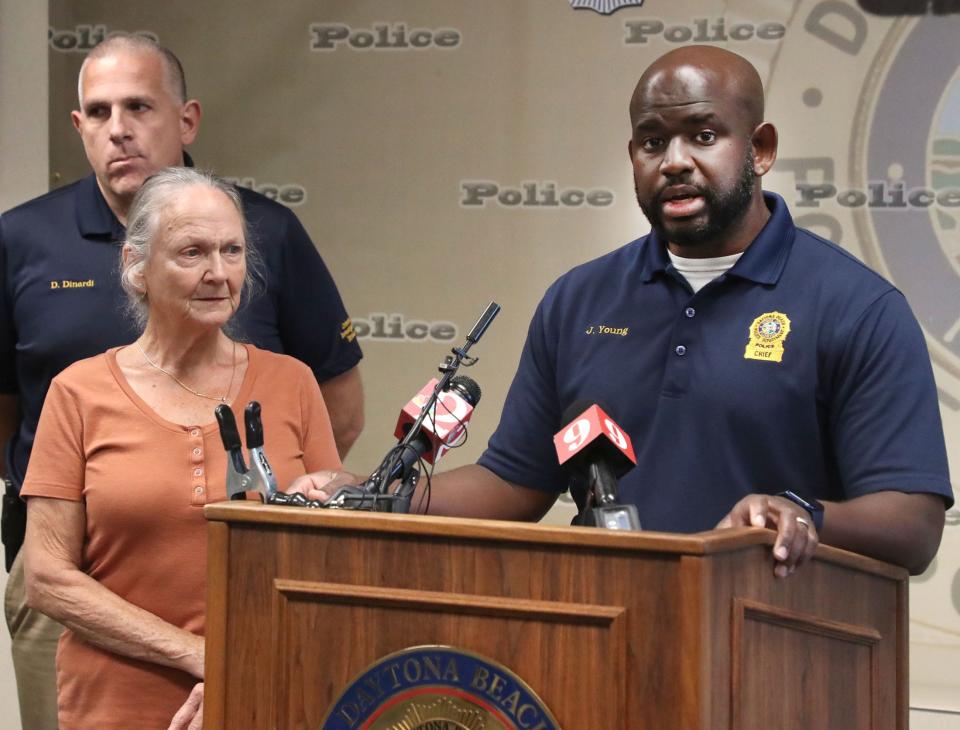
{"x": 438, "y": 688}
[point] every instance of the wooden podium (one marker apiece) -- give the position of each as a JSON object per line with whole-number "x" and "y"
{"x": 610, "y": 630}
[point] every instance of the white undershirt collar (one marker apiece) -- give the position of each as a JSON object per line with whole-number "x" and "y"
{"x": 700, "y": 272}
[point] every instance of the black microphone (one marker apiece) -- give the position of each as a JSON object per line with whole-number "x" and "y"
{"x": 597, "y": 452}
{"x": 492, "y": 310}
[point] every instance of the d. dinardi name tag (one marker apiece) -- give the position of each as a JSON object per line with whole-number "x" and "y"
{"x": 438, "y": 688}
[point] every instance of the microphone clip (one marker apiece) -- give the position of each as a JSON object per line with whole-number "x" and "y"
{"x": 613, "y": 516}
{"x": 372, "y": 499}
{"x": 259, "y": 476}
{"x": 373, "y": 495}
{"x": 459, "y": 358}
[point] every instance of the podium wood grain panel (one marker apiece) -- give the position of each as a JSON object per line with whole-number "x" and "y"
{"x": 525, "y": 636}
{"x": 610, "y": 630}
{"x": 816, "y": 658}
{"x": 795, "y": 643}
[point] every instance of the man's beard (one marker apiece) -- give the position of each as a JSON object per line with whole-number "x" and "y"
{"x": 722, "y": 209}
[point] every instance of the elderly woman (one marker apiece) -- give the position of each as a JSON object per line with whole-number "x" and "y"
{"x": 128, "y": 452}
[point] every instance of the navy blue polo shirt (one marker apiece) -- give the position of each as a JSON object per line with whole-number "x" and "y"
{"x": 62, "y": 300}
{"x": 800, "y": 368}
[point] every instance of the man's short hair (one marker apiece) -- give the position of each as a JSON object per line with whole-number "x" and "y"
{"x": 176, "y": 79}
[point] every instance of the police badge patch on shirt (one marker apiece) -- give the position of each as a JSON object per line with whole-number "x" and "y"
{"x": 767, "y": 334}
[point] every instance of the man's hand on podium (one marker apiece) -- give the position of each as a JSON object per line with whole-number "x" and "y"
{"x": 190, "y": 715}
{"x": 796, "y": 535}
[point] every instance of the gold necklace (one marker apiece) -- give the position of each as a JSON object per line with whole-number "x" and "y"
{"x": 218, "y": 398}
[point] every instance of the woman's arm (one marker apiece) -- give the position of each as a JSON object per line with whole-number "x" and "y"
{"x": 56, "y": 586}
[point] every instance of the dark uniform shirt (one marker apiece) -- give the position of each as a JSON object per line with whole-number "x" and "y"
{"x": 62, "y": 300}
{"x": 800, "y": 368}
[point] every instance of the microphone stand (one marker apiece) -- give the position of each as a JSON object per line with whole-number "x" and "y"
{"x": 602, "y": 508}
{"x": 404, "y": 493}
{"x": 373, "y": 493}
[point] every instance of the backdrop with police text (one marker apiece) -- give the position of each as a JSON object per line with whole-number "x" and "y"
{"x": 446, "y": 153}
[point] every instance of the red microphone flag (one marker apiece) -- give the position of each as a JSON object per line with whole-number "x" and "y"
{"x": 586, "y": 428}
{"x": 444, "y": 426}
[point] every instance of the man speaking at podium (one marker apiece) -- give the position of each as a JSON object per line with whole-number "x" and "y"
{"x": 746, "y": 358}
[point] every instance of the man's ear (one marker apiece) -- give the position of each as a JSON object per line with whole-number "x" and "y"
{"x": 764, "y": 142}
{"x": 190, "y": 116}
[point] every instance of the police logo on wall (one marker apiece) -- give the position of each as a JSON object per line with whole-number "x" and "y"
{"x": 912, "y": 228}
{"x": 83, "y": 37}
{"x": 604, "y": 7}
{"x": 886, "y": 185}
{"x": 438, "y": 687}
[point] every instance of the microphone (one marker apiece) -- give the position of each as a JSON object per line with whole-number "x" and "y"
{"x": 489, "y": 314}
{"x": 594, "y": 447}
{"x": 430, "y": 424}
{"x": 443, "y": 428}
{"x": 439, "y": 430}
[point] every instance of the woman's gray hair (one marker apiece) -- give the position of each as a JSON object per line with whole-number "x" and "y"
{"x": 143, "y": 224}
